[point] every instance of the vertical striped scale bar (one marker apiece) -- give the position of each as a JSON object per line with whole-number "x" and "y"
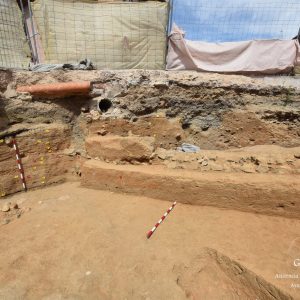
{"x": 160, "y": 221}
{"x": 19, "y": 163}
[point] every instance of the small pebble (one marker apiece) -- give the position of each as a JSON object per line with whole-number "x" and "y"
{"x": 5, "y": 221}
{"x": 88, "y": 273}
{"x": 84, "y": 109}
{"x": 204, "y": 163}
{"x": 102, "y": 132}
{"x": 6, "y": 207}
{"x": 14, "y": 206}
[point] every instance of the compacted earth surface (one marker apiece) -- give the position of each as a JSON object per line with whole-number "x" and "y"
{"x": 70, "y": 242}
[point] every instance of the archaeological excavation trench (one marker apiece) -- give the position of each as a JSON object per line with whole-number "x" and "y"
{"x": 121, "y": 131}
{"x": 125, "y": 131}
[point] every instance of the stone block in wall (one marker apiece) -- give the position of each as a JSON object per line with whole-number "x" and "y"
{"x": 167, "y": 133}
{"x": 118, "y": 148}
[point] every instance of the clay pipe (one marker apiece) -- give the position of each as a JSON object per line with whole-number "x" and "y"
{"x": 58, "y": 89}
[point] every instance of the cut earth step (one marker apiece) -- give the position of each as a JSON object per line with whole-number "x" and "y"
{"x": 277, "y": 195}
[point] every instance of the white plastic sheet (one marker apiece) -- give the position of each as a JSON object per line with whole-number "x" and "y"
{"x": 257, "y": 57}
{"x": 112, "y": 35}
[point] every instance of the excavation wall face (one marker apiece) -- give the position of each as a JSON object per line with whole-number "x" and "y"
{"x": 212, "y": 111}
{"x": 220, "y": 118}
{"x": 141, "y": 117}
{"x": 271, "y": 194}
{"x": 41, "y": 154}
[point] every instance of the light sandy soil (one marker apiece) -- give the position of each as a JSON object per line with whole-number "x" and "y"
{"x": 78, "y": 243}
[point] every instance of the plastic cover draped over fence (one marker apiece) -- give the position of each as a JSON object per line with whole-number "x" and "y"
{"x": 113, "y": 35}
{"x": 14, "y": 50}
{"x": 256, "y": 57}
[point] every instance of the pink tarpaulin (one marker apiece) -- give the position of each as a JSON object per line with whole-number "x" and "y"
{"x": 257, "y": 57}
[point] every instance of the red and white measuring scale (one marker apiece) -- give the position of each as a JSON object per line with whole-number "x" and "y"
{"x": 19, "y": 163}
{"x": 161, "y": 220}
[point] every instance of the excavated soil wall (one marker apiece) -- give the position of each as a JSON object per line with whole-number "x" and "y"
{"x": 241, "y": 124}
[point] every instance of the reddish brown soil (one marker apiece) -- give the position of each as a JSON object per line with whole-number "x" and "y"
{"x": 77, "y": 243}
{"x": 259, "y": 193}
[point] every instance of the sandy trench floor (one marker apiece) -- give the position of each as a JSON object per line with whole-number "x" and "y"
{"x": 78, "y": 243}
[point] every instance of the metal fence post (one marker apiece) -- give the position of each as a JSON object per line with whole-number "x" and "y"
{"x": 26, "y": 29}
{"x": 171, "y": 3}
{"x": 36, "y": 55}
